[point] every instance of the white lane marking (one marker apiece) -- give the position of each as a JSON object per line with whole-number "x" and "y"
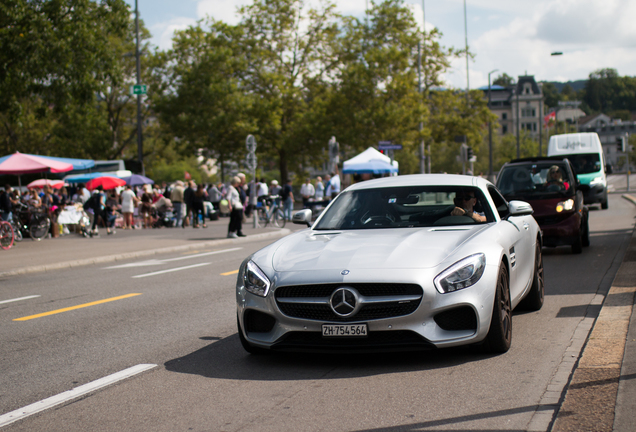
{"x": 170, "y": 270}
{"x": 159, "y": 262}
{"x": 18, "y": 299}
{"x": 66, "y": 396}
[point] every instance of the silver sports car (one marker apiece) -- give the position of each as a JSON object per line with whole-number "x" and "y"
{"x": 399, "y": 263}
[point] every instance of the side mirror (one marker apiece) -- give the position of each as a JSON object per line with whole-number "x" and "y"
{"x": 519, "y": 208}
{"x": 302, "y": 217}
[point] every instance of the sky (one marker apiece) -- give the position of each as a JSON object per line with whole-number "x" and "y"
{"x": 512, "y": 36}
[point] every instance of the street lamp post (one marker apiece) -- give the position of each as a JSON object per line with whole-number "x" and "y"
{"x": 140, "y": 141}
{"x": 490, "y": 177}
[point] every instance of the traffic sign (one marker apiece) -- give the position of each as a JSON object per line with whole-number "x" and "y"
{"x": 138, "y": 89}
{"x": 388, "y": 145}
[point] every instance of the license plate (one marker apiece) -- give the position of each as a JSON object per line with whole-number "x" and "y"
{"x": 344, "y": 330}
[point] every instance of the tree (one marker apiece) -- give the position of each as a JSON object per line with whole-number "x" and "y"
{"x": 504, "y": 80}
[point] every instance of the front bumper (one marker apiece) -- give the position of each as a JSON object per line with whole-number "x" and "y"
{"x": 560, "y": 231}
{"x": 440, "y": 320}
{"x": 596, "y": 194}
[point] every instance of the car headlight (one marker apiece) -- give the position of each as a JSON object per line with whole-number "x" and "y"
{"x": 597, "y": 180}
{"x": 462, "y": 274}
{"x": 565, "y": 205}
{"x": 255, "y": 280}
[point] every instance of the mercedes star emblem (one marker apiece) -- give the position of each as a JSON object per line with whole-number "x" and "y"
{"x": 344, "y": 301}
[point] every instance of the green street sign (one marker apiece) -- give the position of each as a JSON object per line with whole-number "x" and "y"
{"x": 138, "y": 89}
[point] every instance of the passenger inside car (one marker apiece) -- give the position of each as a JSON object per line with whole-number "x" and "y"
{"x": 554, "y": 179}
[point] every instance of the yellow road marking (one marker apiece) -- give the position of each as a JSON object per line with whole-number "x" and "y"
{"x": 229, "y": 273}
{"x": 76, "y": 307}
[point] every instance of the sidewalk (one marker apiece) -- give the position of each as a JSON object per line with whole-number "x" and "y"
{"x": 74, "y": 250}
{"x": 601, "y": 394}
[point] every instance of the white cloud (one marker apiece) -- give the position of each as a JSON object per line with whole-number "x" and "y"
{"x": 163, "y": 32}
{"x": 221, "y": 10}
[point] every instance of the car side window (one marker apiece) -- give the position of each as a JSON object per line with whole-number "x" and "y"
{"x": 500, "y": 203}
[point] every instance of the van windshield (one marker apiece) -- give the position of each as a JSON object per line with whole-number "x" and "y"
{"x": 585, "y": 163}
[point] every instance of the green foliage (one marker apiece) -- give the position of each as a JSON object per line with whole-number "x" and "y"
{"x": 504, "y": 80}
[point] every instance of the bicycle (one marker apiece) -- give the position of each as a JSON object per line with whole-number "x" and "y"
{"x": 33, "y": 220}
{"x": 6, "y": 235}
{"x": 275, "y": 213}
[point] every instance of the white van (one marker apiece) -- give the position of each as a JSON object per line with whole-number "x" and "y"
{"x": 586, "y": 154}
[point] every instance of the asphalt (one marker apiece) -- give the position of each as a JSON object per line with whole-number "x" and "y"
{"x": 600, "y": 394}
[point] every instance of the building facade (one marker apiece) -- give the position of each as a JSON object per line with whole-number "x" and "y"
{"x": 519, "y": 107}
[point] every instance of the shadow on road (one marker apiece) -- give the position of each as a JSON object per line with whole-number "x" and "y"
{"x": 226, "y": 359}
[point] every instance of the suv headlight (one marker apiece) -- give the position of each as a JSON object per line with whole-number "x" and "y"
{"x": 462, "y": 274}
{"x": 255, "y": 280}
{"x": 565, "y": 205}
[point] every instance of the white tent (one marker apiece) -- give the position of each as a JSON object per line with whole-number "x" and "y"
{"x": 367, "y": 158}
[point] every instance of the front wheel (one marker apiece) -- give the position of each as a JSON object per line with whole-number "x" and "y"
{"x": 279, "y": 218}
{"x": 6, "y": 235}
{"x": 585, "y": 234}
{"x": 39, "y": 227}
{"x": 534, "y": 299}
{"x": 499, "y": 336}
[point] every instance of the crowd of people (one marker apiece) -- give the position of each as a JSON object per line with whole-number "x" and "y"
{"x": 179, "y": 204}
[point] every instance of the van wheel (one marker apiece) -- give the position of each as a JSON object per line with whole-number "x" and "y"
{"x": 604, "y": 203}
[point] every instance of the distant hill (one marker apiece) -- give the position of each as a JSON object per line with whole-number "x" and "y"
{"x": 576, "y": 85}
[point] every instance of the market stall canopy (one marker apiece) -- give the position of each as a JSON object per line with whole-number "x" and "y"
{"x": 369, "y": 161}
{"x": 82, "y": 178}
{"x": 78, "y": 164}
{"x": 40, "y": 183}
{"x": 20, "y": 163}
{"x": 137, "y": 180}
{"x": 106, "y": 182}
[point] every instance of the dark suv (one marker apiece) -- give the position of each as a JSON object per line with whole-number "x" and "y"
{"x": 551, "y": 187}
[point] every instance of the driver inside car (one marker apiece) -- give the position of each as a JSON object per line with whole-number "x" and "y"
{"x": 555, "y": 179}
{"x": 464, "y": 206}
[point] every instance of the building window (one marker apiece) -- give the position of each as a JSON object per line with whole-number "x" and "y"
{"x": 532, "y": 127}
{"x": 504, "y": 129}
{"x": 504, "y": 116}
{"x": 528, "y": 112}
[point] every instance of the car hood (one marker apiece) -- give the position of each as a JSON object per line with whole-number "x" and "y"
{"x": 370, "y": 249}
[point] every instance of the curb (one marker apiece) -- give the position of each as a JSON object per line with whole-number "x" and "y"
{"x": 590, "y": 397}
{"x": 139, "y": 254}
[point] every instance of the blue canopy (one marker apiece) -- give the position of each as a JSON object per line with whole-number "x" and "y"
{"x": 78, "y": 164}
{"x": 82, "y": 178}
{"x": 373, "y": 166}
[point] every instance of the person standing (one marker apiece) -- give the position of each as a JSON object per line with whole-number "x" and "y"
{"x": 6, "y": 204}
{"x": 188, "y": 194}
{"x": 128, "y": 203}
{"x": 176, "y": 196}
{"x": 96, "y": 203}
{"x": 287, "y": 198}
{"x": 307, "y": 192}
{"x": 328, "y": 187}
{"x": 236, "y": 209}
{"x": 197, "y": 206}
{"x": 335, "y": 184}
{"x": 320, "y": 189}
{"x": 146, "y": 206}
{"x": 215, "y": 196}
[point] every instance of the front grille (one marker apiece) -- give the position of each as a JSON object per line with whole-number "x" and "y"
{"x": 398, "y": 340}
{"x": 460, "y": 318}
{"x": 395, "y": 306}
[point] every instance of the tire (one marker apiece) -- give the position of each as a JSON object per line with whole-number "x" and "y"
{"x": 279, "y": 219}
{"x": 577, "y": 246}
{"x": 499, "y": 335}
{"x": 262, "y": 217}
{"x": 534, "y": 299}
{"x": 39, "y": 227}
{"x": 585, "y": 234}
{"x": 6, "y": 235}
{"x": 604, "y": 203}
{"x": 246, "y": 345}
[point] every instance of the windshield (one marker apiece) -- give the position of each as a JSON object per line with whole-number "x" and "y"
{"x": 585, "y": 163}
{"x": 404, "y": 207}
{"x": 535, "y": 181}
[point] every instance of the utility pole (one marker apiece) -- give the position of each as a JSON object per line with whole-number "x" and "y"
{"x": 140, "y": 142}
{"x": 466, "y": 40}
{"x": 518, "y": 120}
{"x": 490, "y": 176}
{"x": 419, "y": 89}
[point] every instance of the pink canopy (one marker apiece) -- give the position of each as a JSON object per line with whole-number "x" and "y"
{"x": 19, "y": 163}
{"x": 40, "y": 183}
